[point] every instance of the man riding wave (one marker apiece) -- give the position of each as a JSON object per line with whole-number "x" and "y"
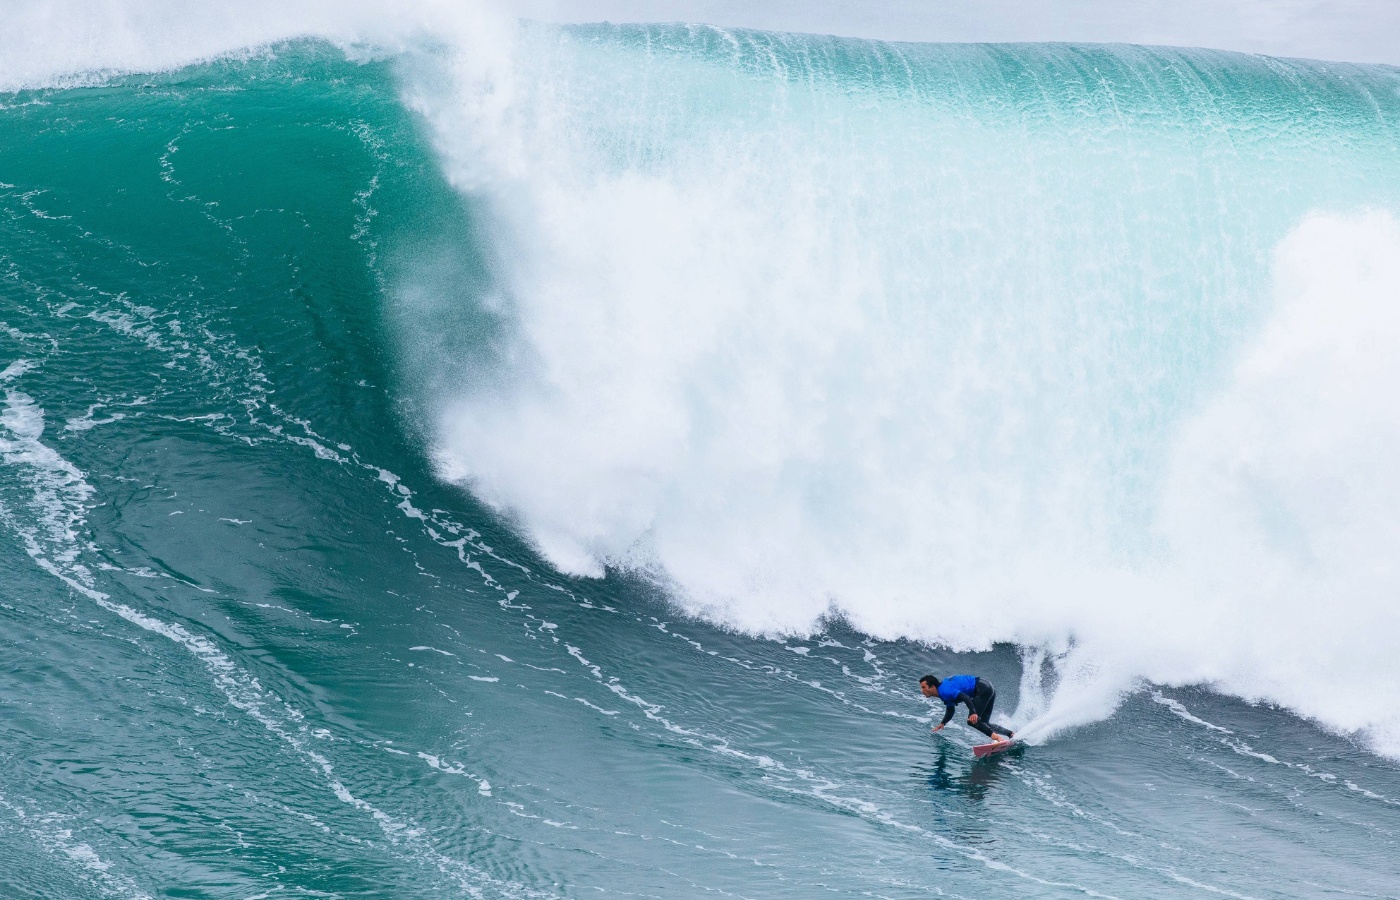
{"x": 976, "y": 693}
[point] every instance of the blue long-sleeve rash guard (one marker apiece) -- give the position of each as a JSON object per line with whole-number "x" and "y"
{"x": 954, "y": 690}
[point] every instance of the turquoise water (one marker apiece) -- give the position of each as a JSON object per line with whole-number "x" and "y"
{"x": 320, "y": 408}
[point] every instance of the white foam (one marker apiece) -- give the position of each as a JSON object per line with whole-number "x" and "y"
{"x": 1181, "y": 711}
{"x": 721, "y": 377}
{"x": 433, "y": 649}
{"x": 1280, "y": 506}
{"x": 596, "y": 708}
{"x": 1278, "y": 534}
{"x": 86, "y": 422}
{"x": 16, "y": 369}
{"x": 805, "y": 420}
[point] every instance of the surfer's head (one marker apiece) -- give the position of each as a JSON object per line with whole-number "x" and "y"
{"x": 928, "y": 685}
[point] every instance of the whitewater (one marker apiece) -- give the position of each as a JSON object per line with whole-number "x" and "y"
{"x": 452, "y": 455}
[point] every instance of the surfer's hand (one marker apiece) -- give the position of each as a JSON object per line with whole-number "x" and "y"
{"x": 972, "y": 719}
{"x": 938, "y": 728}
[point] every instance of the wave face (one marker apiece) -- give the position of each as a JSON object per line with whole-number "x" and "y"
{"x": 1080, "y": 348}
{"x": 781, "y": 370}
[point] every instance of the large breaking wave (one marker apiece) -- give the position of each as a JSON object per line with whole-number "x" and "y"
{"x": 1086, "y": 349}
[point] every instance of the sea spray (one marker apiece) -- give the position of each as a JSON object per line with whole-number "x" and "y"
{"x": 915, "y": 334}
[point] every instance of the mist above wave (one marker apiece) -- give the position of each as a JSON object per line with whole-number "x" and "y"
{"x": 60, "y": 43}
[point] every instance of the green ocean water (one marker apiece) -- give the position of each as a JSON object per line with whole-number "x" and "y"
{"x": 254, "y": 645}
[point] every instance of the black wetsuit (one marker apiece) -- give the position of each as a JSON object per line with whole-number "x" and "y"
{"x": 980, "y": 701}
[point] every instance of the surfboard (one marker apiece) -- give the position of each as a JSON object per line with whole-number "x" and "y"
{"x": 994, "y": 747}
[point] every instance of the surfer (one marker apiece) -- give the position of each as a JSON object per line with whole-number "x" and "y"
{"x": 976, "y": 693}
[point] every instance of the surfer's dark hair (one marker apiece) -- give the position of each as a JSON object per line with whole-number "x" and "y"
{"x": 930, "y": 679}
